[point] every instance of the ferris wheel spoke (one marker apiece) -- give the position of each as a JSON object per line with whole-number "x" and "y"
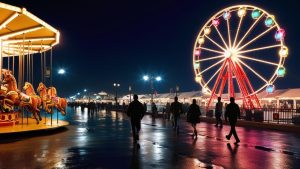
{"x": 260, "y": 48}
{"x": 220, "y": 35}
{"x": 228, "y": 31}
{"x": 215, "y": 43}
{"x": 211, "y": 50}
{"x": 210, "y": 67}
{"x": 257, "y": 37}
{"x": 257, "y": 74}
{"x": 212, "y": 76}
{"x": 248, "y": 31}
{"x": 258, "y": 60}
{"x": 210, "y": 58}
{"x": 237, "y": 32}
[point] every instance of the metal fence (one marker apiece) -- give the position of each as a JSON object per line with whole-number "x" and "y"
{"x": 267, "y": 115}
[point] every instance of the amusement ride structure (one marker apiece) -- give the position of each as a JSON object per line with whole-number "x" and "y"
{"x": 240, "y": 48}
{"x": 24, "y": 37}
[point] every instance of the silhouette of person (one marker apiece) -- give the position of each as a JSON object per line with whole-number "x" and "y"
{"x": 176, "y": 109}
{"x": 136, "y": 112}
{"x": 193, "y": 116}
{"x": 218, "y": 112}
{"x": 232, "y": 112}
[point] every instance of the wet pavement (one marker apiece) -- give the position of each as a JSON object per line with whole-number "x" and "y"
{"x": 103, "y": 140}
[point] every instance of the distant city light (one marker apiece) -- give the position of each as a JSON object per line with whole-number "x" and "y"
{"x": 78, "y": 93}
{"x": 84, "y": 90}
{"x": 61, "y": 71}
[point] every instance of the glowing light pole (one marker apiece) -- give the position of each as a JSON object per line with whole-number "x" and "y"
{"x": 151, "y": 79}
{"x": 129, "y": 88}
{"x": 116, "y": 85}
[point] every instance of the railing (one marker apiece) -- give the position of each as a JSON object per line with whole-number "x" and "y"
{"x": 268, "y": 115}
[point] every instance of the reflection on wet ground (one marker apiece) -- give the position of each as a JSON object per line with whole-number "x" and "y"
{"x": 103, "y": 140}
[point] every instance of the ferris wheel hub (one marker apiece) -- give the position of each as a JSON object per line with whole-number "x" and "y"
{"x": 230, "y": 53}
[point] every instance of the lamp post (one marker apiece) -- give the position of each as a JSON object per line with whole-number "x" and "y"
{"x": 129, "y": 88}
{"x": 151, "y": 79}
{"x": 177, "y": 90}
{"x": 116, "y": 85}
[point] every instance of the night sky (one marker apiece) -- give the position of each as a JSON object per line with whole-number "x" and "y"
{"x": 103, "y": 42}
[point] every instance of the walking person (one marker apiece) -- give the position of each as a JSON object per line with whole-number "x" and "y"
{"x": 232, "y": 112}
{"x": 193, "y": 116}
{"x": 136, "y": 112}
{"x": 218, "y": 112}
{"x": 176, "y": 110}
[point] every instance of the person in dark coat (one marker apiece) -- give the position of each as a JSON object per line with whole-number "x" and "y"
{"x": 136, "y": 112}
{"x": 193, "y": 116}
{"x": 218, "y": 112}
{"x": 176, "y": 110}
{"x": 232, "y": 112}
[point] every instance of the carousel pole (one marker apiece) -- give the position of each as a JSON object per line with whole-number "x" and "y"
{"x": 1, "y": 61}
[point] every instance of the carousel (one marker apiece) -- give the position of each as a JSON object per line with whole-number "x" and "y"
{"x": 25, "y": 42}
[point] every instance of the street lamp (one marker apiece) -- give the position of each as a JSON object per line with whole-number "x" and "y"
{"x": 151, "y": 79}
{"x": 116, "y": 85}
{"x": 61, "y": 71}
{"x": 177, "y": 89}
{"x": 129, "y": 88}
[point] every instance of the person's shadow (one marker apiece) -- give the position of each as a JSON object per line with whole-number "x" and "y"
{"x": 135, "y": 158}
{"x": 234, "y": 150}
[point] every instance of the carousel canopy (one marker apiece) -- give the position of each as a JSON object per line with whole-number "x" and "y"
{"x": 23, "y": 33}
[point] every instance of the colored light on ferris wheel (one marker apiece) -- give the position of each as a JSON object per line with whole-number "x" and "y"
{"x": 216, "y": 22}
{"x": 281, "y": 72}
{"x": 280, "y": 34}
{"x": 207, "y": 30}
{"x": 226, "y": 15}
{"x": 270, "y": 88}
{"x": 284, "y": 52}
{"x": 255, "y": 14}
{"x": 201, "y": 40}
{"x": 196, "y": 66}
{"x": 198, "y": 79}
{"x": 242, "y": 12}
{"x": 197, "y": 52}
{"x": 269, "y": 21}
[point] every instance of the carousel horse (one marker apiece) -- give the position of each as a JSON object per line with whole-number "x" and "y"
{"x": 31, "y": 101}
{"x": 48, "y": 104}
{"x": 60, "y": 103}
{"x": 11, "y": 98}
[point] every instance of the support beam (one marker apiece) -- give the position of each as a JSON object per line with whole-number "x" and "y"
{"x": 20, "y": 32}
{"x": 8, "y": 20}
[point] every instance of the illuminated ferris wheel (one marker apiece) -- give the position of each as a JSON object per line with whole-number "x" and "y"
{"x": 240, "y": 49}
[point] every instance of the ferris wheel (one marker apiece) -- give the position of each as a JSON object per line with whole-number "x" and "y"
{"x": 240, "y": 48}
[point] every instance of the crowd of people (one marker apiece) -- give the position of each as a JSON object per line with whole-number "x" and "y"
{"x": 172, "y": 111}
{"x": 137, "y": 110}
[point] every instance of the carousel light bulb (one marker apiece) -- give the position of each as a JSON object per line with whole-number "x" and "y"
{"x": 242, "y": 12}
{"x": 207, "y": 30}
{"x": 201, "y": 40}
{"x": 284, "y": 52}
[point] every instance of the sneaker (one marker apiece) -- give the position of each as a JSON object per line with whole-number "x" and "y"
{"x": 227, "y": 137}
